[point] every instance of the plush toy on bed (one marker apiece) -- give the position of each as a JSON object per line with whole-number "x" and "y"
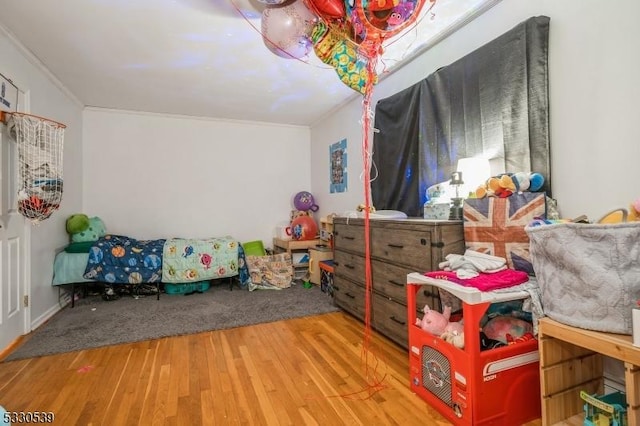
{"x": 82, "y": 228}
{"x": 83, "y": 231}
{"x": 438, "y": 323}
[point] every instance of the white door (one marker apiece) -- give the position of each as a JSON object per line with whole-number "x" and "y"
{"x": 13, "y": 291}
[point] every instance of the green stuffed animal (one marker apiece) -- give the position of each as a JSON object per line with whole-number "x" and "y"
{"x": 82, "y": 228}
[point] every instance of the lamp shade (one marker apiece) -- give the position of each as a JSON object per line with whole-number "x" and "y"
{"x": 475, "y": 171}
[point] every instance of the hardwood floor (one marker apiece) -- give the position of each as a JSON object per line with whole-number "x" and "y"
{"x": 305, "y": 371}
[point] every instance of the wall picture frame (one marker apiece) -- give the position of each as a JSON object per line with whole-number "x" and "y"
{"x": 338, "y": 167}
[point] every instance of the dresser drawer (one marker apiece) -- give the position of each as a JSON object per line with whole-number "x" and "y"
{"x": 390, "y": 319}
{"x": 349, "y": 296}
{"x": 427, "y": 295}
{"x": 390, "y": 280}
{"x": 407, "y": 247}
{"x": 349, "y": 265}
{"x": 349, "y": 237}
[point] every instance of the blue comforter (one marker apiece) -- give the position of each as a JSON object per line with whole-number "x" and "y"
{"x": 124, "y": 260}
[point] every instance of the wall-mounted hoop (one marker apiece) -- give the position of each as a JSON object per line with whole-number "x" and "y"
{"x": 4, "y": 118}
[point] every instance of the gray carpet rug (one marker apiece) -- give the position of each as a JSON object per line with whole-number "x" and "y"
{"x": 94, "y": 322}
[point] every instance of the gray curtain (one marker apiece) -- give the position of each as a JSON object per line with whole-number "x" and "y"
{"x": 494, "y": 101}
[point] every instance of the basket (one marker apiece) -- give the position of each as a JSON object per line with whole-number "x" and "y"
{"x": 184, "y": 288}
{"x": 254, "y": 248}
{"x": 589, "y": 274}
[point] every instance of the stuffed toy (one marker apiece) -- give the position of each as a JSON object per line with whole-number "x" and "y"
{"x": 438, "y": 323}
{"x": 506, "y": 328}
{"x": 82, "y": 228}
{"x": 77, "y": 223}
{"x": 506, "y": 184}
{"x": 453, "y": 337}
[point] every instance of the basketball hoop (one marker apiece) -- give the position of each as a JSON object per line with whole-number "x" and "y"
{"x": 40, "y": 143}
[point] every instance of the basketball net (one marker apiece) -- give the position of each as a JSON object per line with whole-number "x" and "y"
{"x": 40, "y": 143}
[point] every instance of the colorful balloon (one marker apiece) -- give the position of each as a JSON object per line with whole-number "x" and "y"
{"x": 285, "y": 29}
{"x": 328, "y": 8}
{"x": 343, "y": 55}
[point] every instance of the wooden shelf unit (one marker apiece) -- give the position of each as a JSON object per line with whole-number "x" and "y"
{"x": 571, "y": 361}
{"x": 295, "y": 246}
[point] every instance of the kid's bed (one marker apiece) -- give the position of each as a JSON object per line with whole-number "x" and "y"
{"x": 118, "y": 259}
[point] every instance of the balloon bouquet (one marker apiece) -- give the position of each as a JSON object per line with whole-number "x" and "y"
{"x": 348, "y": 35}
{"x": 345, "y": 34}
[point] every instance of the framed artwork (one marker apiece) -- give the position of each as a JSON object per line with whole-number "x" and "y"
{"x": 338, "y": 167}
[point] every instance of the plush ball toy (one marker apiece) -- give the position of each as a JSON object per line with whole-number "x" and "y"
{"x": 77, "y": 223}
{"x": 438, "y": 323}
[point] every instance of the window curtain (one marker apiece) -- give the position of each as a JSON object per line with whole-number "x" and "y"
{"x": 491, "y": 103}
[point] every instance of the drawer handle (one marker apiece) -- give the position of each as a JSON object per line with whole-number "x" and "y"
{"x": 349, "y": 266}
{"x": 392, "y": 318}
{"x": 430, "y": 293}
{"x": 396, "y": 245}
{"x": 350, "y": 295}
{"x": 347, "y": 237}
{"x": 396, "y": 283}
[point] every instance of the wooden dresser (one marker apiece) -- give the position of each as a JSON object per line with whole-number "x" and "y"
{"x": 397, "y": 247}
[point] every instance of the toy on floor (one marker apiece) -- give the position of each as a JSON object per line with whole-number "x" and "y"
{"x": 438, "y": 323}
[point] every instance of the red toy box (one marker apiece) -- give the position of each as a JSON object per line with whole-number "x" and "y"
{"x": 499, "y": 386}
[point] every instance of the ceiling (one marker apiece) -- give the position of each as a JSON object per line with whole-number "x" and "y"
{"x": 203, "y": 58}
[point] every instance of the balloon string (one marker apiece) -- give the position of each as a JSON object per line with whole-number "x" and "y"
{"x": 375, "y": 383}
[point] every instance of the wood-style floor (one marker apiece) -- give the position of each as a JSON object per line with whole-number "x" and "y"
{"x": 306, "y": 371}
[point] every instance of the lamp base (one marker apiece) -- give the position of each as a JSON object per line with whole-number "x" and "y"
{"x": 455, "y": 213}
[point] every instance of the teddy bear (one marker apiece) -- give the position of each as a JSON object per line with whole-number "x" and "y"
{"x": 454, "y": 337}
{"x": 438, "y": 323}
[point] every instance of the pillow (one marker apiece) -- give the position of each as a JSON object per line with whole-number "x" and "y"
{"x": 495, "y": 226}
{"x": 93, "y": 233}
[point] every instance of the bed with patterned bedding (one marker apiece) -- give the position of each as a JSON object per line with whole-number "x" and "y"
{"x": 118, "y": 259}
{"x": 190, "y": 260}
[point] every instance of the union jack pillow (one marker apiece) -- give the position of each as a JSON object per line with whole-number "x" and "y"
{"x": 495, "y": 226}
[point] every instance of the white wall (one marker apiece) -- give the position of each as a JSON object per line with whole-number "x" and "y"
{"x": 158, "y": 176}
{"x": 47, "y": 99}
{"x": 594, "y": 58}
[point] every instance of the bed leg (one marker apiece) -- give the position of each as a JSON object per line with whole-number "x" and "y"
{"x": 73, "y": 294}
{"x": 157, "y": 291}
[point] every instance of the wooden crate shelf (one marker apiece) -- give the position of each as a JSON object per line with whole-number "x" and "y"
{"x": 571, "y": 361}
